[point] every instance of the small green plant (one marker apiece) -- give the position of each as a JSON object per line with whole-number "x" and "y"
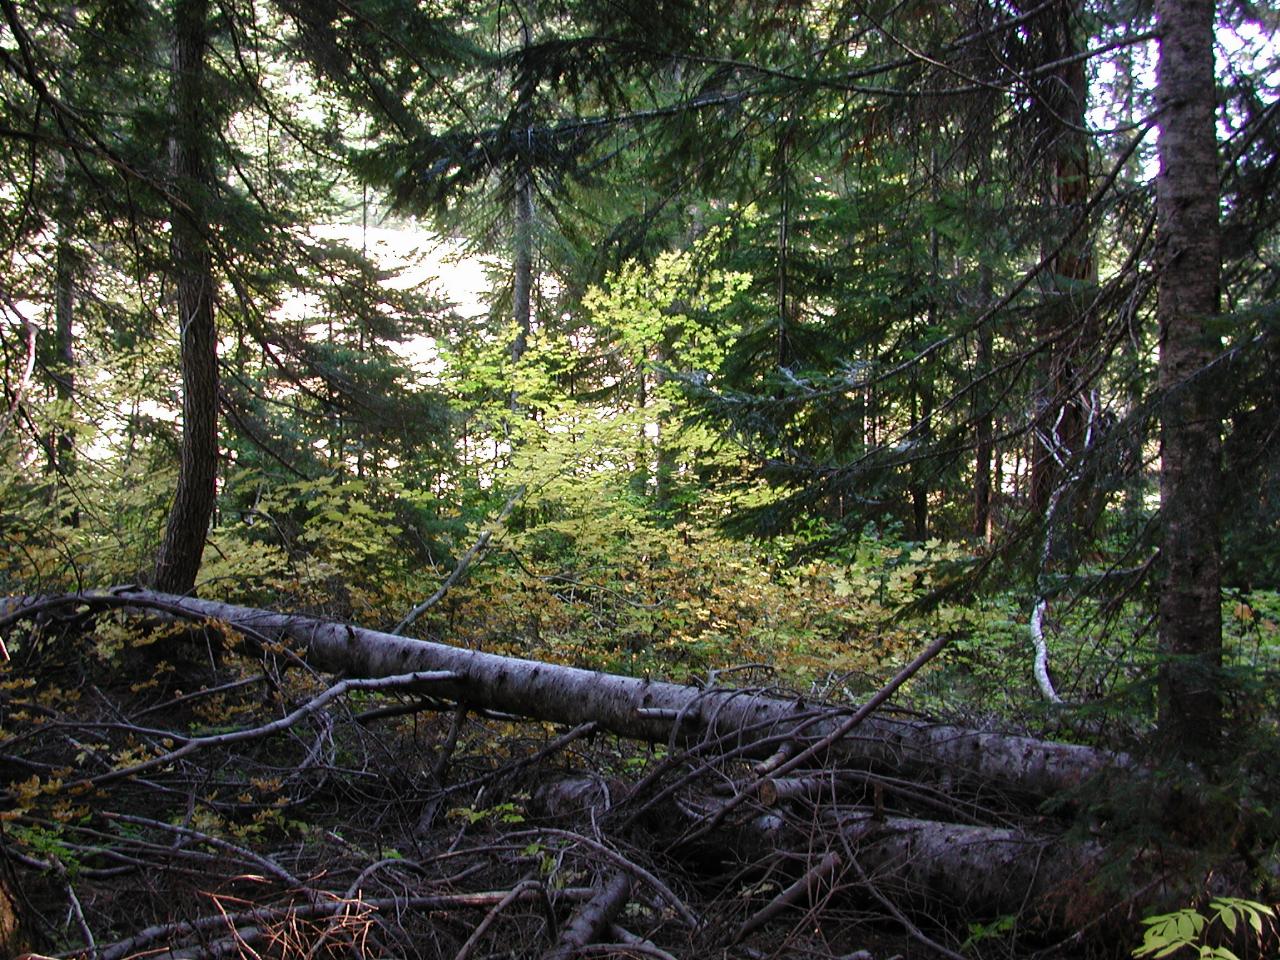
{"x": 500, "y": 813}
{"x": 1001, "y": 926}
{"x": 1169, "y": 933}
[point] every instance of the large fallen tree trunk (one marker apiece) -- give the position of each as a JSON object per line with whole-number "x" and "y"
{"x": 753, "y": 723}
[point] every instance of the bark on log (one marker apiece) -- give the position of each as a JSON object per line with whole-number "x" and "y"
{"x": 654, "y": 710}
{"x": 974, "y": 869}
{"x": 1051, "y": 880}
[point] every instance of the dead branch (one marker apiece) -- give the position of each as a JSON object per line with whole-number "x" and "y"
{"x": 339, "y": 689}
{"x": 169, "y": 932}
{"x": 625, "y": 865}
{"x": 806, "y": 886}
{"x": 519, "y": 890}
{"x": 593, "y": 918}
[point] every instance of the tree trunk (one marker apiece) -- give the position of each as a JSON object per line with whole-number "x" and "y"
{"x": 978, "y": 869}
{"x": 522, "y": 284}
{"x": 1190, "y": 626}
{"x": 984, "y": 415}
{"x": 661, "y": 712}
{"x": 924, "y": 866}
{"x": 64, "y": 303}
{"x": 178, "y": 560}
{"x": 522, "y": 242}
{"x": 1065, "y": 334}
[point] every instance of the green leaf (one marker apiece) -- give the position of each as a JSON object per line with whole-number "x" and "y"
{"x": 1228, "y": 918}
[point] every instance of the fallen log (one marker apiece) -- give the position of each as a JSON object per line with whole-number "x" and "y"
{"x": 978, "y": 869}
{"x": 657, "y": 711}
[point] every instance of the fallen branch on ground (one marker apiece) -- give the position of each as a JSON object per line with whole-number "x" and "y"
{"x": 649, "y": 709}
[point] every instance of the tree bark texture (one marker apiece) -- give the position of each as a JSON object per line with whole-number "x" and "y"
{"x": 986, "y": 870}
{"x": 1190, "y": 625}
{"x": 926, "y": 866}
{"x": 666, "y": 712}
{"x": 178, "y": 560}
{"x": 522, "y": 293}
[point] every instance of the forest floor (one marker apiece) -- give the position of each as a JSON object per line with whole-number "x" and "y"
{"x": 240, "y": 803}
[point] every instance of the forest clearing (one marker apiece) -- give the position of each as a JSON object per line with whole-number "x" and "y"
{"x": 611, "y": 479}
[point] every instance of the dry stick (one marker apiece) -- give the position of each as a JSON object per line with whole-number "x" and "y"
{"x": 642, "y": 948}
{"x": 623, "y": 863}
{"x": 267, "y": 729}
{"x": 353, "y": 894}
{"x": 594, "y": 917}
{"x": 786, "y": 739}
{"x": 185, "y": 928}
{"x": 555, "y": 746}
{"x": 441, "y": 767}
{"x": 773, "y": 792}
{"x": 625, "y": 938}
{"x": 912, "y": 930}
{"x": 491, "y": 917}
{"x": 266, "y": 863}
{"x": 204, "y": 692}
{"x": 91, "y": 946}
{"x": 804, "y": 886}
{"x": 460, "y": 570}
{"x": 868, "y": 708}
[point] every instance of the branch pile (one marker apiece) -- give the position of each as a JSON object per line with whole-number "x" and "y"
{"x": 443, "y": 802}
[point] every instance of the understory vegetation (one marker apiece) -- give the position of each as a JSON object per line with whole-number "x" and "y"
{"x": 643, "y": 479}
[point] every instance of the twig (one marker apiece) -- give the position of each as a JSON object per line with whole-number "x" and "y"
{"x": 305, "y": 911}
{"x": 266, "y": 863}
{"x": 805, "y": 886}
{"x": 555, "y": 746}
{"x": 912, "y": 930}
{"x": 620, "y": 861}
{"x": 868, "y": 708}
{"x": 636, "y": 944}
{"x": 514, "y": 894}
{"x": 91, "y": 945}
{"x": 256, "y": 733}
{"x": 441, "y": 767}
{"x": 204, "y": 692}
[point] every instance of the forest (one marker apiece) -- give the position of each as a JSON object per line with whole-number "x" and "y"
{"x": 639, "y": 478}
